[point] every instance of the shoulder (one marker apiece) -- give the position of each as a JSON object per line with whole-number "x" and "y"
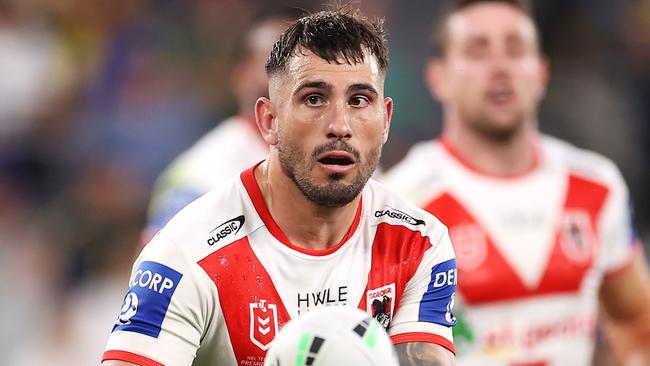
{"x": 423, "y": 153}
{"x": 387, "y": 207}
{"x": 421, "y": 172}
{"x": 583, "y": 163}
{"x": 214, "y": 220}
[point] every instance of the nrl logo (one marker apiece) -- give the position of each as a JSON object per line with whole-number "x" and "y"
{"x": 399, "y": 215}
{"x": 263, "y": 324}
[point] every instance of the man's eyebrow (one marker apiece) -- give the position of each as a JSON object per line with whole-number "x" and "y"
{"x": 362, "y": 87}
{"x": 314, "y": 85}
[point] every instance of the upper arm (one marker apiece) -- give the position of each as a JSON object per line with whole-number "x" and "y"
{"x": 165, "y": 311}
{"x": 423, "y": 354}
{"x": 625, "y": 295}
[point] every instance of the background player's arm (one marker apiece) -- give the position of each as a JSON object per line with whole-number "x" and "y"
{"x": 423, "y": 354}
{"x": 625, "y": 297}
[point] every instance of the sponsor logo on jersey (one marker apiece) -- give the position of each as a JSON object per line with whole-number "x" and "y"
{"x": 129, "y": 308}
{"x": 577, "y": 238}
{"x": 146, "y": 303}
{"x": 438, "y": 301}
{"x": 399, "y": 215}
{"x": 231, "y": 226}
{"x": 263, "y": 323}
{"x": 326, "y": 297}
{"x": 380, "y": 304}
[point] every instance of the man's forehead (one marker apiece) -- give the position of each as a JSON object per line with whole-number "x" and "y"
{"x": 306, "y": 65}
{"x": 489, "y": 18}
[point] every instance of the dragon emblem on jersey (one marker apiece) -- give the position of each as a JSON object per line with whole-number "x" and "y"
{"x": 381, "y": 304}
{"x": 577, "y": 237}
{"x": 263, "y": 323}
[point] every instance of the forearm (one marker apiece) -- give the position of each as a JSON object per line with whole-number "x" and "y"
{"x": 423, "y": 354}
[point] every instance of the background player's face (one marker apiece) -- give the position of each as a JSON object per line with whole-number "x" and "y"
{"x": 492, "y": 76}
{"x": 332, "y": 121}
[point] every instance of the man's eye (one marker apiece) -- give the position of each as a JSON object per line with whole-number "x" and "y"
{"x": 359, "y": 101}
{"x": 314, "y": 100}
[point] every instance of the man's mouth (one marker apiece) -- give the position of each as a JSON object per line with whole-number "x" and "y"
{"x": 337, "y": 161}
{"x": 334, "y": 158}
{"x": 500, "y": 96}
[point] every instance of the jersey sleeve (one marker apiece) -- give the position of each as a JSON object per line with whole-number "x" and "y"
{"x": 617, "y": 231}
{"x": 425, "y": 311}
{"x": 165, "y": 310}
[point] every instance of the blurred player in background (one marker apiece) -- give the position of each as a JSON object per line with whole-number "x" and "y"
{"x": 542, "y": 230}
{"x": 229, "y": 148}
{"x": 303, "y": 229}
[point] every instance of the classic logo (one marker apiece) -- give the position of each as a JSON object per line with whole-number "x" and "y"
{"x": 231, "y": 226}
{"x": 577, "y": 238}
{"x": 381, "y": 304}
{"x": 399, "y": 215}
{"x": 470, "y": 245}
{"x": 263, "y": 324}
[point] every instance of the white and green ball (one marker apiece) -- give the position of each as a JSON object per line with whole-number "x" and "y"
{"x": 332, "y": 336}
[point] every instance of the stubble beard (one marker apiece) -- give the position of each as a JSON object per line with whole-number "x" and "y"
{"x": 335, "y": 193}
{"x": 493, "y": 130}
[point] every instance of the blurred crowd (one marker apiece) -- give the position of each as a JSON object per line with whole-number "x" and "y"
{"x": 98, "y": 96}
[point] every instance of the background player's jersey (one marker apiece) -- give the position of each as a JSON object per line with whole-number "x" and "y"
{"x": 220, "y": 280}
{"x": 229, "y": 148}
{"x": 531, "y": 250}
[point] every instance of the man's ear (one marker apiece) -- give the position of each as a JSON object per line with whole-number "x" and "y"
{"x": 435, "y": 77}
{"x": 388, "y": 103}
{"x": 266, "y": 121}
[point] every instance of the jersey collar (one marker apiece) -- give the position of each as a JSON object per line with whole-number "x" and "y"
{"x": 255, "y": 193}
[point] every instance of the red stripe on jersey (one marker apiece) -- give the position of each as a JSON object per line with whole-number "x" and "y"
{"x": 576, "y": 243}
{"x": 254, "y": 192}
{"x": 493, "y": 278}
{"x": 129, "y": 357}
{"x": 396, "y": 254}
{"x": 250, "y": 304}
{"x": 424, "y": 337}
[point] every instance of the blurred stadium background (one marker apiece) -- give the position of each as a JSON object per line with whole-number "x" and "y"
{"x": 97, "y": 96}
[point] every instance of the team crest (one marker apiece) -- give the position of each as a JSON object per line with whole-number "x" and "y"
{"x": 577, "y": 238}
{"x": 263, "y": 324}
{"x": 380, "y": 304}
{"x": 470, "y": 246}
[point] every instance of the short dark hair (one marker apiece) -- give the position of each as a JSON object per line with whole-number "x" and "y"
{"x": 439, "y": 39}
{"x": 332, "y": 35}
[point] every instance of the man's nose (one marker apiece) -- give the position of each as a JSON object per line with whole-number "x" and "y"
{"x": 339, "y": 125}
{"x": 500, "y": 65}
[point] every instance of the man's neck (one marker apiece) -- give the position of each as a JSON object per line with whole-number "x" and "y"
{"x": 305, "y": 223}
{"x": 505, "y": 158}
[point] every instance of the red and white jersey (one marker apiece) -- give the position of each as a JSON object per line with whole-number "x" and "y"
{"x": 532, "y": 250}
{"x": 218, "y": 282}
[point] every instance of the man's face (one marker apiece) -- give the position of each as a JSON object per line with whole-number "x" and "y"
{"x": 492, "y": 72}
{"x": 332, "y": 121}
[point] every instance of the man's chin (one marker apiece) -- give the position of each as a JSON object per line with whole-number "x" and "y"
{"x": 500, "y": 128}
